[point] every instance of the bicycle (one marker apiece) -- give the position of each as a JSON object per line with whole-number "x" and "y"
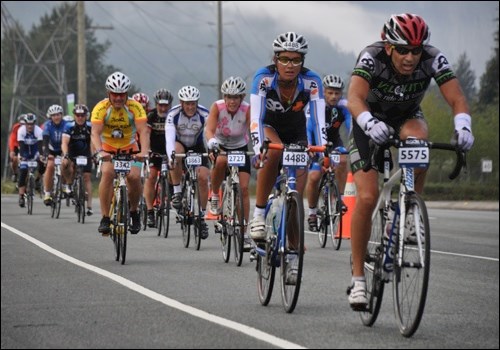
{"x": 231, "y": 222}
{"x": 119, "y": 209}
{"x": 190, "y": 212}
{"x": 392, "y": 253}
{"x": 162, "y": 198}
{"x": 79, "y": 196}
{"x": 330, "y": 211}
{"x": 284, "y": 217}
{"x": 56, "y": 189}
{"x": 29, "y": 195}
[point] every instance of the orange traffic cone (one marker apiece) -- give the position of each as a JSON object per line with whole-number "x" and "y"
{"x": 350, "y": 202}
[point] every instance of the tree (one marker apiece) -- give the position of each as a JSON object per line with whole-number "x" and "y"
{"x": 488, "y": 92}
{"x": 466, "y": 77}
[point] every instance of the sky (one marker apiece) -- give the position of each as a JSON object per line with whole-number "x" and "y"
{"x": 170, "y": 44}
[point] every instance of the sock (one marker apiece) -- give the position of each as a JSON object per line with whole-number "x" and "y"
{"x": 313, "y": 211}
{"x": 358, "y": 278}
{"x": 177, "y": 188}
{"x": 259, "y": 211}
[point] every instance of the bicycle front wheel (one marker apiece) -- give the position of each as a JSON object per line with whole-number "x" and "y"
{"x": 80, "y": 198}
{"x": 196, "y": 213}
{"x": 123, "y": 223}
{"x": 411, "y": 277}
{"x": 238, "y": 224}
{"x": 293, "y": 258}
{"x": 186, "y": 220}
{"x": 373, "y": 271}
{"x": 266, "y": 272}
{"x": 323, "y": 214}
{"x": 30, "y": 192}
{"x": 225, "y": 238}
{"x": 335, "y": 215}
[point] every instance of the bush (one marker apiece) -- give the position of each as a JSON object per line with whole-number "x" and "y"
{"x": 460, "y": 192}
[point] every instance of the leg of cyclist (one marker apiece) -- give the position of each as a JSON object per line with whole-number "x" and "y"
{"x": 134, "y": 187}
{"x": 216, "y": 177}
{"x": 176, "y": 175}
{"x": 106, "y": 195}
{"x": 203, "y": 173}
{"x": 149, "y": 189}
{"x": 312, "y": 189}
{"x": 87, "y": 175}
{"x": 48, "y": 180}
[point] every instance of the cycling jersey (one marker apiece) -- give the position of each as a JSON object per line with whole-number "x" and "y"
{"x": 232, "y": 131}
{"x": 29, "y": 141}
{"x": 188, "y": 131}
{"x": 79, "y": 139}
{"x": 157, "y": 124}
{"x": 394, "y": 97}
{"x": 335, "y": 116}
{"x": 289, "y": 122}
{"x": 52, "y": 135}
{"x": 119, "y": 125}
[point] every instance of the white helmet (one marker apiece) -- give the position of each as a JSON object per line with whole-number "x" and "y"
{"x": 189, "y": 93}
{"x": 290, "y": 41}
{"x": 233, "y": 86}
{"x": 54, "y": 109}
{"x": 333, "y": 81}
{"x": 118, "y": 83}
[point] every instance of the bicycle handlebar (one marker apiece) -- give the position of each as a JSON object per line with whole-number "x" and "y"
{"x": 375, "y": 151}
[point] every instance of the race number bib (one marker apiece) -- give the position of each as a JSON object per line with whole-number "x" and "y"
{"x": 81, "y": 160}
{"x": 413, "y": 154}
{"x": 236, "y": 158}
{"x": 193, "y": 160}
{"x": 296, "y": 159}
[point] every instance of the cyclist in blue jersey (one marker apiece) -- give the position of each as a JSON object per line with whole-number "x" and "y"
{"x": 76, "y": 142}
{"x": 30, "y": 141}
{"x": 387, "y": 86}
{"x": 52, "y": 137}
{"x": 279, "y": 95}
{"x": 336, "y": 114}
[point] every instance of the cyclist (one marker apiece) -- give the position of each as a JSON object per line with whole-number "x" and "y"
{"x": 387, "y": 85}
{"x": 30, "y": 140}
{"x": 52, "y": 136}
{"x": 156, "y": 122}
{"x": 76, "y": 142}
{"x": 336, "y": 113}
{"x": 14, "y": 147}
{"x": 227, "y": 129}
{"x": 183, "y": 133}
{"x": 143, "y": 99}
{"x": 280, "y": 93}
{"x": 115, "y": 122}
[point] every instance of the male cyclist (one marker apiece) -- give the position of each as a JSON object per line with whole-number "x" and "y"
{"x": 76, "y": 142}
{"x": 336, "y": 113}
{"x": 227, "y": 129}
{"x": 183, "y": 133}
{"x": 52, "y": 137}
{"x": 156, "y": 122}
{"x": 387, "y": 86}
{"x": 115, "y": 122}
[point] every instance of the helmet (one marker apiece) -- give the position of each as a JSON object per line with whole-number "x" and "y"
{"x": 163, "y": 96}
{"x": 54, "y": 109}
{"x": 69, "y": 118}
{"x": 189, "y": 93}
{"x": 118, "y": 83}
{"x": 333, "y": 81}
{"x": 290, "y": 41}
{"x": 30, "y": 118}
{"x": 21, "y": 119}
{"x": 142, "y": 98}
{"x": 81, "y": 109}
{"x": 406, "y": 29}
{"x": 233, "y": 86}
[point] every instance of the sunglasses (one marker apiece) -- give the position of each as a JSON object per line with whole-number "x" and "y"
{"x": 404, "y": 50}
{"x": 297, "y": 61}
{"x": 80, "y": 115}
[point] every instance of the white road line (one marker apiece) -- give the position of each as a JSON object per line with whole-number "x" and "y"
{"x": 250, "y": 331}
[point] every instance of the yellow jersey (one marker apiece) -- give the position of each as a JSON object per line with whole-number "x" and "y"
{"x": 119, "y": 125}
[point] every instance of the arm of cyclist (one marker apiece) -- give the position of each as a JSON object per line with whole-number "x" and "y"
{"x": 97, "y": 129}
{"x": 210, "y": 128}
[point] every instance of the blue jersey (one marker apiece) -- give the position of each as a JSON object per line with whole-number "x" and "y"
{"x": 335, "y": 116}
{"x": 53, "y": 134}
{"x": 79, "y": 138}
{"x": 28, "y": 142}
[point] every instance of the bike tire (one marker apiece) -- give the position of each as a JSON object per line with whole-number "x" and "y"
{"x": 411, "y": 279}
{"x": 266, "y": 272}
{"x": 54, "y": 193}
{"x": 238, "y": 224}
{"x": 30, "y": 189}
{"x": 294, "y": 226}
{"x": 197, "y": 217}
{"x": 225, "y": 237}
{"x": 373, "y": 271}
{"x": 124, "y": 220}
{"x": 185, "y": 212}
{"x": 58, "y": 199}
{"x": 165, "y": 203}
{"x": 323, "y": 214}
{"x": 157, "y": 206}
{"x": 335, "y": 206}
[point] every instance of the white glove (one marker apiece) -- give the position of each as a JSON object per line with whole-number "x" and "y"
{"x": 377, "y": 130}
{"x": 463, "y": 131}
{"x": 213, "y": 143}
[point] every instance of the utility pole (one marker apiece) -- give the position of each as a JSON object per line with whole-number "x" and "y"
{"x": 219, "y": 45}
{"x": 82, "y": 53}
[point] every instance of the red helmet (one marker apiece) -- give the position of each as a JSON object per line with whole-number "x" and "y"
{"x": 143, "y": 99}
{"x": 406, "y": 29}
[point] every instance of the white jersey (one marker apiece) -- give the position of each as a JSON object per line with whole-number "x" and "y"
{"x": 232, "y": 132}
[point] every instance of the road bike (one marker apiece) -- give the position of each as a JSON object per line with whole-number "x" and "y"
{"x": 32, "y": 165}
{"x": 284, "y": 215}
{"x": 231, "y": 222}
{"x": 56, "y": 189}
{"x": 399, "y": 245}
{"x": 330, "y": 213}
{"x": 161, "y": 202}
{"x": 79, "y": 193}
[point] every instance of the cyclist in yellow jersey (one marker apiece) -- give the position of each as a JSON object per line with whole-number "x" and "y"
{"x": 115, "y": 122}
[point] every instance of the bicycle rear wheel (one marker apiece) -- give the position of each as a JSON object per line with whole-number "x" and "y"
{"x": 411, "y": 279}
{"x": 293, "y": 257}
{"x": 373, "y": 271}
{"x": 238, "y": 224}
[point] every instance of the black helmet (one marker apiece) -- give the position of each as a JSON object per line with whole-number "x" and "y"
{"x": 163, "y": 96}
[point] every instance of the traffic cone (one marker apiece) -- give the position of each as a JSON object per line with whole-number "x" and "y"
{"x": 350, "y": 202}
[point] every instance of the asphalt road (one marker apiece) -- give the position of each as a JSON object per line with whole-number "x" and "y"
{"x": 61, "y": 288}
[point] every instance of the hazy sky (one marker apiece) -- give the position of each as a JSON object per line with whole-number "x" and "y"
{"x": 170, "y": 44}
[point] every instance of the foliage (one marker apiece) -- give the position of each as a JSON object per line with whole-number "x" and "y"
{"x": 466, "y": 77}
{"x": 488, "y": 92}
